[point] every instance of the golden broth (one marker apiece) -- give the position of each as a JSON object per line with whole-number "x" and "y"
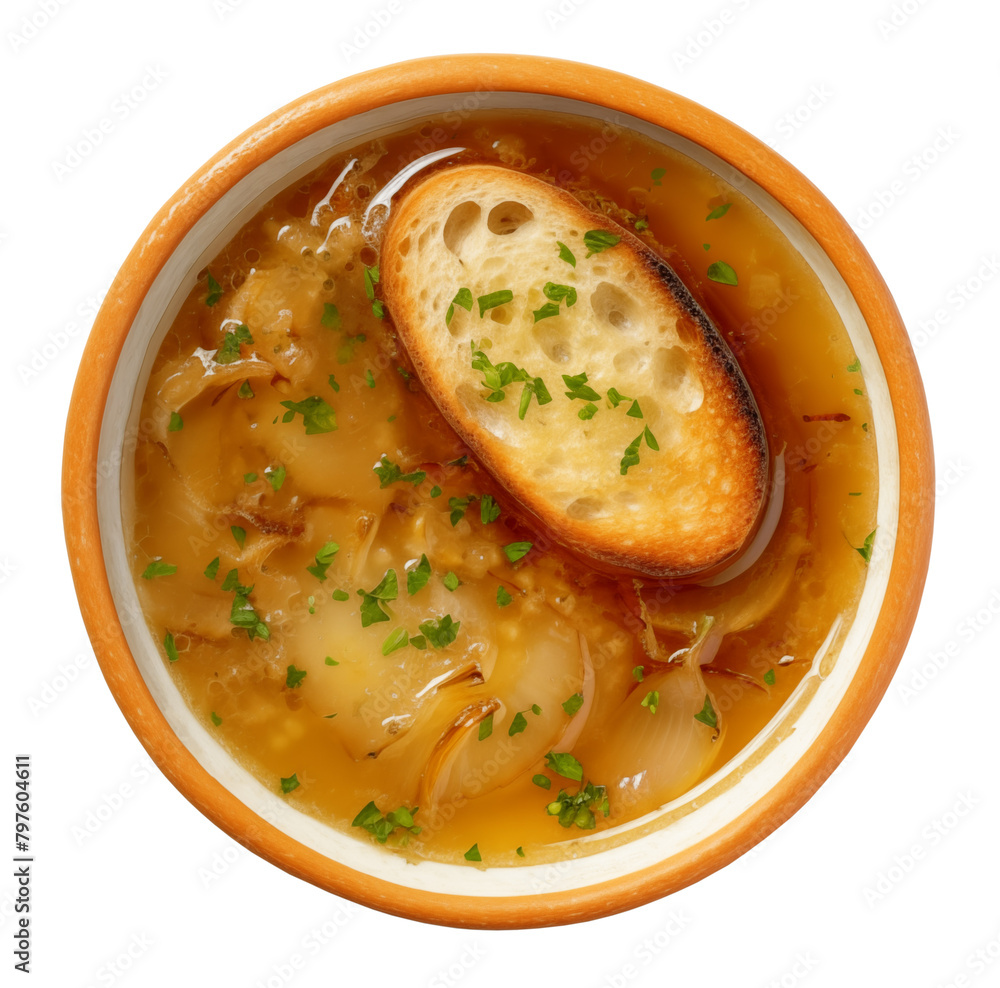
{"x": 301, "y": 659}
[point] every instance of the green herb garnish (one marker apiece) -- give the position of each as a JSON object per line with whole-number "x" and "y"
{"x": 230, "y": 349}
{"x": 463, "y": 297}
{"x": 417, "y": 577}
{"x": 548, "y": 310}
{"x": 290, "y": 784}
{"x": 472, "y": 854}
{"x": 371, "y": 600}
{"x": 441, "y": 632}
{"x": 245, "y": 391}
{"x": 651, "y": 701}
{"x": 381, "y": 827}
{"x": 275, "y": 477}
{"x": 657, "y": 175}
{"x": 503, "y": 598}
{"x": 865, "y": 550}
{"x": 565, "y": 254}
{"x": 564, "y": 764}
{"x": 718, "y": 212}
{"x": 722, "y": 273}
{"x": 323, "y": 558}
{"x": 176, "y": 423}
{"x": 389, "y": 473}
{"x": 158, "y": 568}
{"x": 317, "y": 415}
{"x": 458, "y": 506}
{"x": 579, "y": 808}
{"x": 451, "y": 581}
{"x": 631, "y": 457}
{"x": 578, "y": 388}
{"x": 214, "y": 290}
{"x": 573, "y": 704}
{"x": 516, "y": 550}
{"x": 597, "y": 241}
{"x": 170, "y": 647}
{"x": 330, "y": 317}
{"x": 239, "y": 534}
{"x": 212, "y": 568}
{"x": 294, "y": 677}
{"x": 769, "y": 677}
{"x": 855, "y": 367}
{"x": 398, "y": 639}
{"x": 486, "y": 727}
{"x": 340, "y": 595}
{"x": 493, "y": 300}
{"x": 588, "y": 411}
{"x": 242, "y": 613}
{"x": 489, "y": 510}
{"x": 216, "y": 719}
{"x": 542, "y": 781}
{"x": 707, "y": 714}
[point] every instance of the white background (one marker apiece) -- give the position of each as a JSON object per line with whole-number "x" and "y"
{"x": 859, "y": 95}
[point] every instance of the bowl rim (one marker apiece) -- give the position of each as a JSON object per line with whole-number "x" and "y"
{"x": 459, "y": 74}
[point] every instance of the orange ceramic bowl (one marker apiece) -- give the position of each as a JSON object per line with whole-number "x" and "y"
{"x": 690, "y": 837}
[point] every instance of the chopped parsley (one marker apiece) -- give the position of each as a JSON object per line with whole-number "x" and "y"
{"x": 242, "y": 613}
{"x": 340, "y": 595}
{"x": 170, "y": 647}
{"x": 436, "y": 491}
{"x": 516, "y": 550}
{"x": 323, "y": 558}
{"x": 616, "y": 397}
{"x": 290, "y": 784}
{"x": 651, "y": 701}
{"x": 548, "y": 310}
{"x": 216, "y": 719}
{"x": 639, "y": 673}
{"x": 579, "y": 808}
{"x": 230, "y": 349}
{"x": 565, "y": 254}
{"x": 451, "y": 581}
{"x": 722, "y": 273}
{"x": 718, "y": 212}
{"x": 858, "y": 391}
{"x": 249, "y": 478}
{"x": 588, "y": 411}
{"x": 371, "y": 280}
{"x": 212, "y": 568}
{"x": 398, "y": 639}
{"x": 294, "y": 677}
{"x": 214, "y": 290}
{"x": 631, "y": 457}
{"x": 331, "y": 661}
{"x": 389, "y": 473}
{"x": 564, "y": 764}
{"x": 382, "y": 827}
{"x": 573, "y": 704}
{"x": 370, "y": 378}
{"x": 275, "y": 477}
{"x": 865, "y": 550}
{"x": 769, "y": 677}
{"x": 463, "y": 297}
{"x": 520, "y": 852}
{"x": 417, "y": 577}
{"x": 345, "y": 352}
{"x": 634, "y": 411}
{"x": 472, "y": 854}
{"x": 245, "y": 391}
{"x": 707, "y": 714}
{"x": 559, "y": 293}
{"x": 330, "y": 317}
{"x": 441, "y": 632}
{"x": 332, "y": 381}
{"x": 503, "y": 598}
{"x": 493, "y": 300}
{"x": 579, "y": 388}
{"x": 489, "y": 510}
{"x": 855, "y": 367}
{"x": 486, "y": 727}
{"x": 496, "y": 377}
{"x": 459, "y": 505}
{"x": 176, "y": 423}
{"x": 371, "y": 600}
{"x": 158, "y": 568}
{"x": 597, "y": 241}
{"x": 239, "y": 534}
{"x": 520, "y": 722}
{"x": 657, "y": 175}
{"x": 542, "y": 781}
{"x": 317, "y": 415}
{"x": 641, "y": 225}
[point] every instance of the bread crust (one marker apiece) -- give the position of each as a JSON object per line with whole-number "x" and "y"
{"x": 684, "y": 509}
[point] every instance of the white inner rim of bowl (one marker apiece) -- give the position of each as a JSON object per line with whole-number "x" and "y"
{"x": 115, "y": 490}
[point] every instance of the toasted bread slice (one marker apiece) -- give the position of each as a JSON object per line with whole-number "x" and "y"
{"x": 668, "y": 481}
